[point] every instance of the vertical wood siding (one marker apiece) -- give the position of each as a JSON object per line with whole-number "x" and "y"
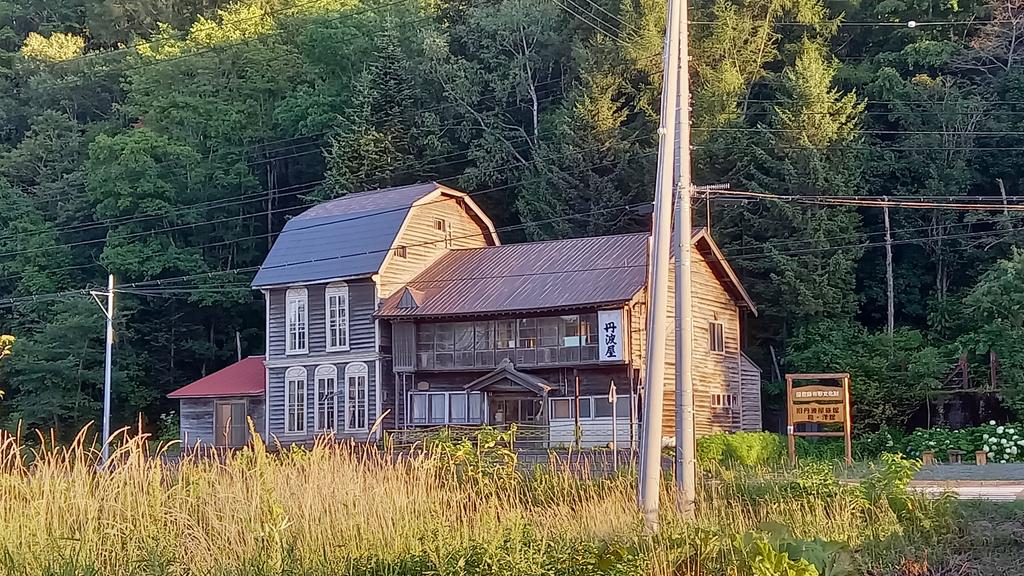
{"x": 425, "y": 244}
{"x": 362, "y": 305}
{"x": 197, "y": 418}
{"x": 750, "y": 376}
{"x": 275, "y": 385}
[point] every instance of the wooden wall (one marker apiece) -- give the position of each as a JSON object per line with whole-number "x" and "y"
{"x": 197, "y": 418}
{"x": 750, "y": 395}
{"x": 276, "y": 387}
{"x": 714, "y": 372}
{"x": 425, "y": 244}
{"x": 361, "y": 324}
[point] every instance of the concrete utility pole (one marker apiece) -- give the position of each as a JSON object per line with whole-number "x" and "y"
{"x": 686, "y": 445}
{"x": 108, "y": 311}
{"x": 650, "y": 468}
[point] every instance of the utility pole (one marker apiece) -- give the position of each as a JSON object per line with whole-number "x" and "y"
{"x": 891, "y": 307}
{"x": 108, "y": 311}
{"x": 650, "y": 469}
{"x": 686, "y": 446}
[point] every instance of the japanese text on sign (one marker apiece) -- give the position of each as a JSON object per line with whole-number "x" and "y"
{"x": 611, "y": 335}
{"x": 825, "y": 413}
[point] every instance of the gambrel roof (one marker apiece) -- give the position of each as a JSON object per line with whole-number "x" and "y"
{"x": 350, "y": 237}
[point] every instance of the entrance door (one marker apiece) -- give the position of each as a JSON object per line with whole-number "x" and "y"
{"x": 502, "y": 410}
{"x": 230, "y": 424}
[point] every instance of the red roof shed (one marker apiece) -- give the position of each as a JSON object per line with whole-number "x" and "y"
{"x": 245, "y": 378}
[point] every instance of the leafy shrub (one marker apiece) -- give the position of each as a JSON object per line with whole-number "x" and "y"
{"x": 1003, "y": 443}
{"x": 820, "y": 449}
{"x": 872, "y": 445}
{"x": 743, "y": 448}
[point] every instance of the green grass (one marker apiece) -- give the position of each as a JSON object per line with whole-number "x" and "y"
{"x": 451, "y": 509}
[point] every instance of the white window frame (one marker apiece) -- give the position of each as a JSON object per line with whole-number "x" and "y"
{"x": 293, "y": 375}
{"x": 325, "y": 376}
{"x": 447, "y": 409}
{"x": 338, "y": 290}
{"x": 296, "y": 321}
{"x": 354, "y": 371}
{"x": 590, "y": 401}
{"x": 711, "y": 336}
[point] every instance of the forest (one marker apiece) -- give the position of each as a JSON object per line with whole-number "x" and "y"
{"x": 168, "y": 141}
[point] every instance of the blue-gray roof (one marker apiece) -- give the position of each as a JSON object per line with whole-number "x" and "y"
{"x": 344, "y": 238}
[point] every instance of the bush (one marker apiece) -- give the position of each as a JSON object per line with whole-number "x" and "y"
{"x": 1003, "y": 443}
{"x": 743, "y": 448}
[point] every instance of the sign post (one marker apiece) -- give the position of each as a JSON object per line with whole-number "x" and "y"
{"x": 818, "y": 404}
{"x": 612, "y": 397}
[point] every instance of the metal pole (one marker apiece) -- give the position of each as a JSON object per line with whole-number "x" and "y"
{"x": 650, "y": 469}
{"x": 108, "y": 368}
{"x": 686, "y": 448}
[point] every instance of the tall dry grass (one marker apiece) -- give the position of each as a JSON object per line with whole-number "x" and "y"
{"x": 345, "y": 509}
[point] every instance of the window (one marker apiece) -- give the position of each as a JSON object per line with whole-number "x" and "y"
{"x": 439, "y": 408}
{"x": 722, "y": 401}
{"x": 336, "y": 300}
{"x": 716, "y": 337}
{"x": 588, "y": 336}
{"x": 440, "y": 224}
{"x": 425, "y": 346}
{"x": 464, "y": 342}
{"x": 401, "y": 252}
{"x": 295, "y": 400}
{"x": 298, "y": 321}
{"x": 561, "y": 408}
{"x": 356, "y": 396}
{"x": 590, "y": 407}
{"x": 326, "y": 378}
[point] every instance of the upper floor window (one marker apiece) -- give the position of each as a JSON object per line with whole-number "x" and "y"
{"x": 401, "y": 252}
{"x": 298, "y": 322}
{"x": 357, "y": 396}
{"x": 716, "y": 336}
{"x": 440, "y": 224}
{"x": 295, "y": 400}
{"x": 336, "y": 301}
{"x": 326, "y": 398}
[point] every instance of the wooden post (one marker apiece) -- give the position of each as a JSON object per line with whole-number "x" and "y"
{"x": 847, "y": 421}
{"x": 890, "y": 307}
{"x": 576, "y": 413}
{"x": 790, "y": 439}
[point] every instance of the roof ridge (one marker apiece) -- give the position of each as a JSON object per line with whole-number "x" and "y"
{"x": 550, "y": 241}
{"x": 379, "y": 190}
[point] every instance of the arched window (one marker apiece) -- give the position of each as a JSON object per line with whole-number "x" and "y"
{"x": 298, "y": 321}
{"x": 326, "y": 398}
{"x": 295, "y": 400}
{"x": 336, "y": 302}
{"x": 356, "y": 396}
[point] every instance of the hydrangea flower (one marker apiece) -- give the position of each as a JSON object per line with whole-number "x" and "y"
{"x": 991, "y": 422}
{"x": 999, "y": 430}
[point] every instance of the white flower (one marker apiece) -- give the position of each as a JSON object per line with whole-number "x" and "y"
{"x": 991, "y": 422}
{"x": 1013, "y": 450}
{"x": 984, "y": 437}
{"x": 1011, "y": 431}
{"x": 1020, "y": 442}
{"x": 1003, "y": 441}
{"x": 988, "y": 448}
{"x": 931, "y": 443}
{"x": 1000, "y": 430}
{"x": 889, "y": 443}
{"x": 1003, "y": 461}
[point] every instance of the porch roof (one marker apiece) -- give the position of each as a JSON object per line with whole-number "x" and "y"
{"x": 507, "y": 371}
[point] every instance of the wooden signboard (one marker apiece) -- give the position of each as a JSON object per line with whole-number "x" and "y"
{"x": 818, "y": 404}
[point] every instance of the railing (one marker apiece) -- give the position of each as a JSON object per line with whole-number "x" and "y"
{"x": 525, "y": 436}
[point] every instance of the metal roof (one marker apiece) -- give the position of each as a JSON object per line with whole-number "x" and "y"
{"x": 247, "y": 377}
{"x": 551, "y": 275}
{"x": 556, "y": 274}
{"x": 344, "y": 238}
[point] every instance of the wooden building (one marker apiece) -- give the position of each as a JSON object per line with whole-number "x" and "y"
{"x": 401, "y": 307}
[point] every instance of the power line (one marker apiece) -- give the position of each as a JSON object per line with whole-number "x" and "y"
{"x": 271, "y": 211}
{"x": 163, "y": 281}
{"x": 865, "y": 202}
